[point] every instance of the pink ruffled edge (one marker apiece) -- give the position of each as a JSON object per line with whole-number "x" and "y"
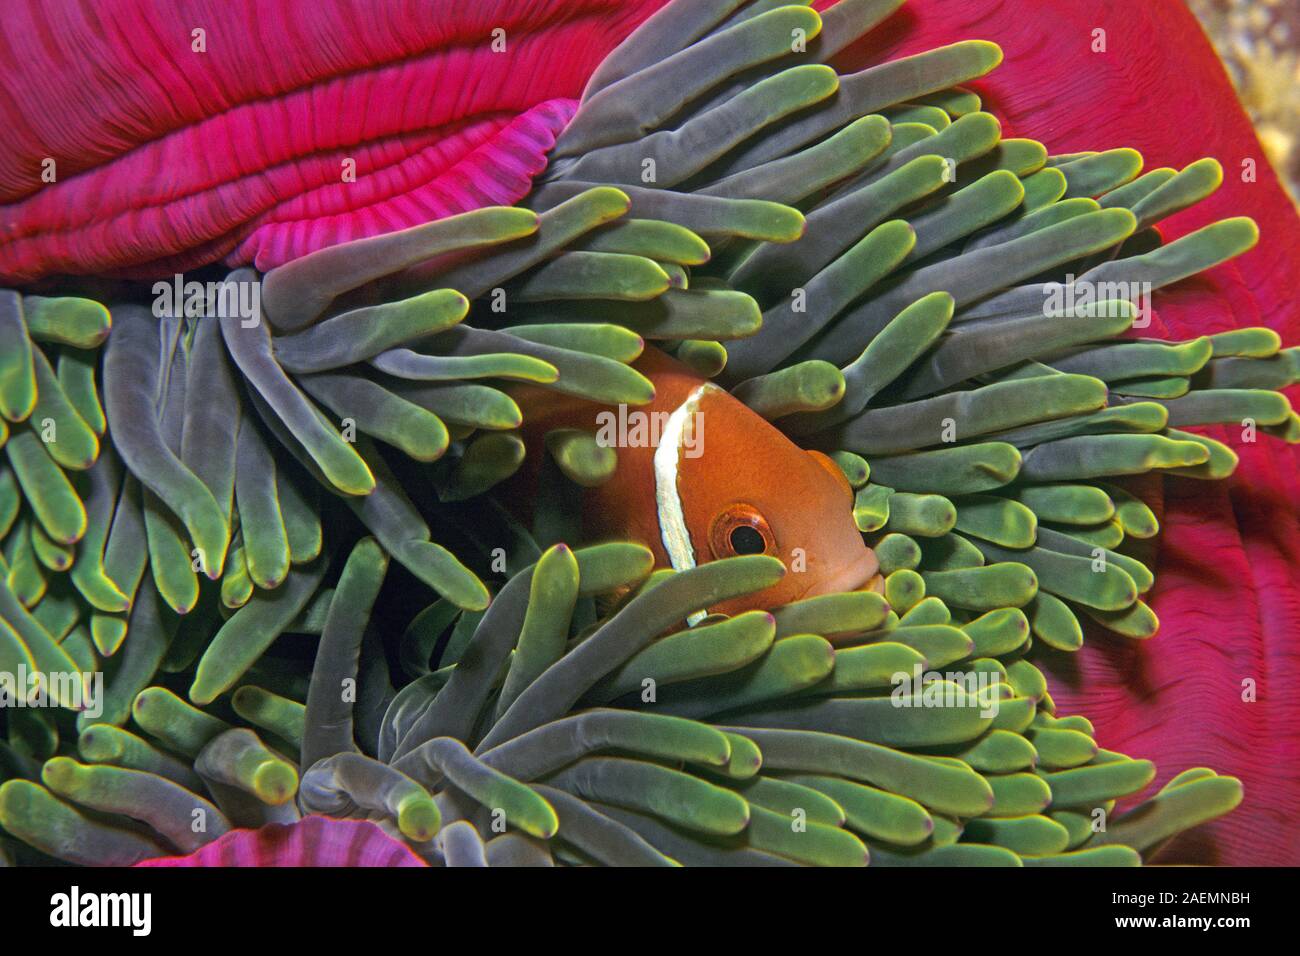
{"x": 239, "y": 154}
{"x": 311, "y": 841}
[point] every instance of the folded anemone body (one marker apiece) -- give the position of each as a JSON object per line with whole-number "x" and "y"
{"x": 311, "y": 841}
{"x": 204, "y": 140}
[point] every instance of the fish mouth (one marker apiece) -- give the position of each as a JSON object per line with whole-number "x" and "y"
{"x": 862, "y": 574}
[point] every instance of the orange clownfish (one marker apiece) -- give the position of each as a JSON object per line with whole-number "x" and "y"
{"x": 701, "y": 476}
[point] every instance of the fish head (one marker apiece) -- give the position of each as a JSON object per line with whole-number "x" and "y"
{"x": 740, "y": 486}
{"x": 700, "y": 476}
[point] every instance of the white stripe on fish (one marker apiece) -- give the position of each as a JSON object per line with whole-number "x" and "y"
{"x": 668, "y": 500}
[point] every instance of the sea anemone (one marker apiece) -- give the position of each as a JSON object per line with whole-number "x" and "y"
{"x": 862, "y": 259}
{"x": 325, "y": 151}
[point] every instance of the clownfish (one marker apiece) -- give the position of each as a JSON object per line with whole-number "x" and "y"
{"x": 701, "y": 476}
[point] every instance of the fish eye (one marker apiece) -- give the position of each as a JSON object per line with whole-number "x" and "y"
{"x": 741, "y": 529}
{"x": 745, "y": 540}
